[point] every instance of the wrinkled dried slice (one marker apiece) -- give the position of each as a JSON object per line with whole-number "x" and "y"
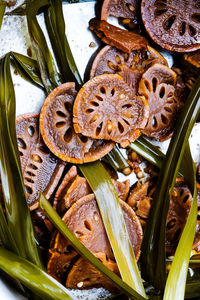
{"x": 40, "y": 168}
{"x": 122, "y": 188}
{"x": 157, "y": 86}
{"x": 117, "y": 37}
{"x": 58, "y": 133}
{"x": 181, "y": 90}
{"x": 83, "y": 275}
{"x": 84, "y": 219}
{"x": 131, "y": 66}
{"x": 173, "y": 24}
{"x": 193, "y": 58}
{"x": 119, "y": 9}
{"x": 106, "y": 108}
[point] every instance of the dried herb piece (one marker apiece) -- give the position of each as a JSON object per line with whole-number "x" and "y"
{"x": 117, "y": 37}
{"x": 119, "y": 8}
{"x": 40, "y": 168}
{"x": 106, "y": 108}
{"x": 173, "y": 24}
{"x": 58, "y": 133}
{"x": 157, "y": 86}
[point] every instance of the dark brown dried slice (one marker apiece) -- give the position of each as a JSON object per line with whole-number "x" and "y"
{"x": 193, "y": 59}
{"x": 40, "y": 168}
{"x": 157, "y": 86}
{"x": 131, "y": 66}
{"x": 119, "y": 9}
{"x": 58, "y": 133}
{"x": 117, "y": 37}
{"x": 83, "y": 275}
{"x": 106, "y": 108}
{"x": 173, "y": 24}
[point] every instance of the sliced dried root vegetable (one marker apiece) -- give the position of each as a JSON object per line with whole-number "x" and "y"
{"x": 173, "y": 24}
{"x": 122, "y": 188}
{"x": 106, "y": 108}
{"x": 131, "y": 66}
{"x": 117, "y": 37}
{"x": 84, "y": 219}
{"x": 193, "y": 58}
{"x": 140, "y": 200}
{"x": 58, "y": 133}
{"x": 157, "y": 86}
{"x": 40, "y": 168}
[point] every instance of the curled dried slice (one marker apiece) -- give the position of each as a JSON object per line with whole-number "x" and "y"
{"x": 58, "y": 133}
{"x": 157, "y": 86}
{"x": 40, "y": 168}
{"x": 173, "y": 24}
{"x": 193, "y": 58}
{"x": 117, "y": 37}
{"x": 131, "y": 66}
{"x": 122, "y": 188}
{"x": 84, "y": 219}
{"x": 106, "y": 108}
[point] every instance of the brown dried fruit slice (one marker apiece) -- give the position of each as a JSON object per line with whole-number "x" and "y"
{"x": 122, "y": 188}
{"x": 58, "y": 133}
{"x": 193, "y": 58}
{"x": 157, "y": 86}
{"x": 106, "y": 108}
{"x": 117, "y": 37}
{"x": 83, "y": 275}
{"x": 173, "y": 24}
{"x": 131, "y": 66}
{"x": 84, "y": 219}
{"x": 40, "y": 168}
{"x": 119, "y": 9}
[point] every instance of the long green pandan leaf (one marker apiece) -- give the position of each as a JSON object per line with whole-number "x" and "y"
{"x": 116, "y": 159}
{"x": 175, "y": 285}
{"x": 17, "y": 211}
{"x": 2, "y": 10}
{"x": 81, "y": 249}
{"x": 33, "y": 277}
{"x": 112, "y": 215}
{"x": 153, "y": 247}
{"x": 56, "y": 29}
{"x": 27, "y": 68}
{"x": 49, "y": 74}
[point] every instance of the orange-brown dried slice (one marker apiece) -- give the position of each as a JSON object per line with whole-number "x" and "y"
{"x": 40, "y": 168}
{"x": 173, "y": 24}
{"x": 117, "y": 37}
{"x": 119, "y": 9}
{"x": 131, "y": 66}
{"x": 157, "y": 86}
{"x": 122, "y": 188}
{"x": 193, "y": 58}
{"x": 83, "y": 275}
{"x": 58, "y": 133}
{"x": 106, "y": 108}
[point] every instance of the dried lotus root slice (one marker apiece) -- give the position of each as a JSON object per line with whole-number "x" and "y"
{"x": 84, "y": 275}
{"x": 157, "y": 86}
{"x": 193, "y": 58}
{"x": 40, "y": 168}
{"x": 119, "y": 9}
{"x": 173, "y": 24}
{"x": 117, "y": 37}
{"x": 106, "y": 108}
{"x": 58, "y": 133}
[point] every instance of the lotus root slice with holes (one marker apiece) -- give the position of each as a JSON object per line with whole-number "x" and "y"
{"x": 58, "y": 133}
{"x": 131, "y": 66}
{"x": 173, "y": 24}
{"x": 106, "y": 108}
{"x": 157, "y": 86}
{"x": 40, "y": 168}
{"x": 84, "y": 220}
{"x": 119, "y": 9}
{"x": 117, "y": 37}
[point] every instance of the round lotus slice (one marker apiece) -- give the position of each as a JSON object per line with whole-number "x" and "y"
{"x": 173, "y": 24}
{"x": 106, "y": 108}
{"x": 119, "y": 9}
{"x": 40, "y": 168}
{"x": 157, "y": 86}
{"x": 58, "y": 133}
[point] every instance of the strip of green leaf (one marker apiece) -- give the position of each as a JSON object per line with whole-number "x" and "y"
{"x": 112, "y": 215}
{"x": 81, "y": 249}
{"x": 2, "y": 10}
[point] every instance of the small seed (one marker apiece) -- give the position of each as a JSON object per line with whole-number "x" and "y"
{"x": 92, "y": 45}
{"x": 140, "y": 175}
{"x": 127, "y": 171}
{"x": 37, "y": 158}
{"x": 126, "y": 21}
{"x": 122, "y": 96}
{"x": 118, "y": 59}
{"x": 132, "y": 8}
{"x": 175, "y": 194}
{"x": 80, "y": 284}
{"x": 134, "y": 156}
{"x": 109, "y": 127}
{"x": 111, "y": 65}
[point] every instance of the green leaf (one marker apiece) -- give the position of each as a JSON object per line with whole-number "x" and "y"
{"x": 112, "y": 215}
{"x": 33, "y": 277}
{"x": 56, "y": 29}
{"x": 49, "y": 74}
{"x": 175, "y": 285}
{"x": 153, "y": 247}
{"x": 17, "y": 211}
{"x": 27, "y": 68}
{"x": 116, "y": 159}
{"x": 81, "y": 249}
{"x": 2, "y": 10}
